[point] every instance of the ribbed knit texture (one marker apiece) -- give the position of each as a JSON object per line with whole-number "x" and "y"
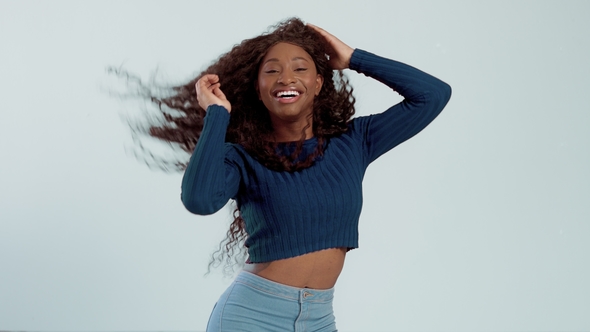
{"x": 290, "y": 214}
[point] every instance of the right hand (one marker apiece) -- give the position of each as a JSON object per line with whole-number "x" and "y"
{"x": 209, "y": 93}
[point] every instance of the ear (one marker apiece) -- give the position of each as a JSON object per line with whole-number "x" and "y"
{"x": 319, "y": 83}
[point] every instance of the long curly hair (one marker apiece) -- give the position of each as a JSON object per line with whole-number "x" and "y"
{"x": 181, "y": 118}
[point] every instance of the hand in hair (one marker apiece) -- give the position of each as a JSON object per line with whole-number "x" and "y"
{"x": 209, "y": 92}
{"x": 340, "y": 53}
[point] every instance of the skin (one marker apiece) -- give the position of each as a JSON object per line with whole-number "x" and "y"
{"x": 281, "y": 69}
{"x": 289, "y": 68}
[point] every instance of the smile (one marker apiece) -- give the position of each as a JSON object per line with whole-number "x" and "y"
{"x": 287, "y": 96}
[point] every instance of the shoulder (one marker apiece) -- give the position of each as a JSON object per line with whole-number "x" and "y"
{"x": 234, "y": 152}
{"x": 355, "y": 136}
{"x": 357, "y": 126}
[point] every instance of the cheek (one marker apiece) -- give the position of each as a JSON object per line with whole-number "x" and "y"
{"x": 261, "y": 88}
{"x": 263, "y": 93}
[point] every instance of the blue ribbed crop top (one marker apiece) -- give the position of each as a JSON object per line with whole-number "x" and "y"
{"x": 292, "y": 213}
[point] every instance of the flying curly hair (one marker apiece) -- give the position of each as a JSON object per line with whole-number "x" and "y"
{"x": 181, "y": 120}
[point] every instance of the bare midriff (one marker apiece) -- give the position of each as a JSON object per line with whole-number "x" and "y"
{"x": 317, "y": 270}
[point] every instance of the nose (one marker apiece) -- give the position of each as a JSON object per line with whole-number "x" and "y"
{"x": 287, "y": 77}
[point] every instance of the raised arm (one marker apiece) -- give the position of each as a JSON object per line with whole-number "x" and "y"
{"x": 210, "y": 179}
{"x": 425, "y": 97}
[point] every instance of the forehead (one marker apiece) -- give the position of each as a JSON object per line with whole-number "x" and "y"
{"x": 286, "y": 50}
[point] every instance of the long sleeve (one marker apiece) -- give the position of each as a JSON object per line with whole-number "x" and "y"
{"x": 210, "y": 179}
{"x": 425, "y": 97}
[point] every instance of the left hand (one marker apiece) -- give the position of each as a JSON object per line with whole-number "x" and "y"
{"x": 340, "y": 53}
{"x": 209, "y": 93}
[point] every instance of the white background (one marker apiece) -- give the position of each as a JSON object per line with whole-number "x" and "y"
{"x": 479, "y": 223}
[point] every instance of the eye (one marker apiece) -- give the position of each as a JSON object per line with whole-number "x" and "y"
{"x": 271, "y": 71}
{"x": 301, "y": 69}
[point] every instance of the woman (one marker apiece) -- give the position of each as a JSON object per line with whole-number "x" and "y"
{"x": 279, "y": 140}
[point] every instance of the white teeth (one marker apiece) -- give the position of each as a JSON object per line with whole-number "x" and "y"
{"x": 287, "y": 93}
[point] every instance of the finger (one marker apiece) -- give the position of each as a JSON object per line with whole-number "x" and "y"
{"x": 198, "y": 89}
{"x": 330, "y": 38}
{"x": 210, "y": 77}
{"x": 206, "y": 83}
{"x": 318, "y": 29}
{"x": 333, "y": 42}
{"x": 219, "y": 94}
{"x": 207, "y": 80}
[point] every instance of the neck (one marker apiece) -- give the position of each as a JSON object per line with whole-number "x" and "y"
{"x": 291, "y": 132}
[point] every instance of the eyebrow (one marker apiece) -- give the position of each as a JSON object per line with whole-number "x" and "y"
{"x": 295, "y": 58}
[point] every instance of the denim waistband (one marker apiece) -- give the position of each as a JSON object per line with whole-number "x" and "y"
{"x": 289, "y": 292}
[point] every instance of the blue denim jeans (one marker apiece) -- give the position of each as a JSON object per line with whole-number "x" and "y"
{"x": 255, "y": 304}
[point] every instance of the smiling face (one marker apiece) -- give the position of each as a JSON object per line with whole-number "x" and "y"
{"x": 287, "y": 85}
